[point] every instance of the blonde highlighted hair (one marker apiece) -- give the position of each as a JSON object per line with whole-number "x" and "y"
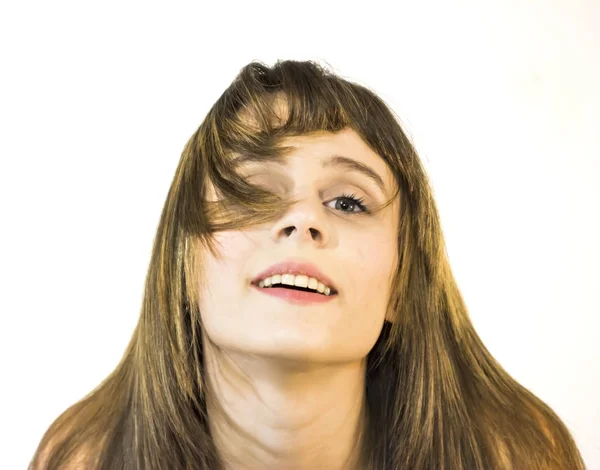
{"x": 437, "y": 399}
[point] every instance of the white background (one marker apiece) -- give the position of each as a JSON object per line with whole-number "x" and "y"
{"x": 98, "y": 99}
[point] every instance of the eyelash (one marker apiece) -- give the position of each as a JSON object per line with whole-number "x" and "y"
{"x": 365, "y": 208}
{"x": 355, "y": 201}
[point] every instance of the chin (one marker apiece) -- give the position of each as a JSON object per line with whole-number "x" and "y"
{"x": 297, "y": 348}
{"x": 316, "y": 338}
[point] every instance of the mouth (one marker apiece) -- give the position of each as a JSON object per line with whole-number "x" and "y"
{"x": 294, "y": 288}
{"x": 318, "y": 282}
{"x": 296, "y": 294}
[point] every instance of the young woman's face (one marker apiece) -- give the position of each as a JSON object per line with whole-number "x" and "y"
{"x": 357, "y": 252}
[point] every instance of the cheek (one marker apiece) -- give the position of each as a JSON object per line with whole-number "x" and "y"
{"x": 376, "y": 259}
{"x": 375, "y": 265}
{"x": 232, "y": 249}
{"x": 229, "y": 268}
{"x": 228, "y": 242}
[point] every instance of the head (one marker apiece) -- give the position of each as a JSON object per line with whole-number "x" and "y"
{"x": 356, "y": 248}
{"x": 256, "y": 185}
{"x": 271, "y": 188}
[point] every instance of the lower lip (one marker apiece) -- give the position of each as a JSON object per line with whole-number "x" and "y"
{"x": 295, "y": 296}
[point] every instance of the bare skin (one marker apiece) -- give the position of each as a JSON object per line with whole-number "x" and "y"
{"x": 287, "y": 417}
{"x": 286, "y": 382}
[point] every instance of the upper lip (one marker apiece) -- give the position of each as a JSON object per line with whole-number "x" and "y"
{"x": 296, "y": 266}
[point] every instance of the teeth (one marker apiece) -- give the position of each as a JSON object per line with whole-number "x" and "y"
{"x": 299, "y": 280}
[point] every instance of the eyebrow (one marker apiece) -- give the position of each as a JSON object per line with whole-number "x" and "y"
{"x": 332, "y": 161}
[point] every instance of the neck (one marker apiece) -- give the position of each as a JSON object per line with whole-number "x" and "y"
{"x": 272, "y": 414}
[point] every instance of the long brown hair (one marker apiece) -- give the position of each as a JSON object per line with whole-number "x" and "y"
{"x": 437, "y": 399}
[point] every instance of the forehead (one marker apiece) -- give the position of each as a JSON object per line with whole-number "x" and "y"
{"x": 344, "y": 151}
{"x": 319, "y": 144}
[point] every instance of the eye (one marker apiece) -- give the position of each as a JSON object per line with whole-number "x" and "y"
{"x": 347, "y": 200}
{"x": 352, "y": 201}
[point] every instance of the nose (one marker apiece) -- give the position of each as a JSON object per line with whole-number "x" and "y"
{"x": 305, "y": 222}
{"x": 314, "y": 233}
{"x": 301, "y": 233}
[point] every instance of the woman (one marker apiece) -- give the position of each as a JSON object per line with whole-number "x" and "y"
{"x": 300, "y": 311}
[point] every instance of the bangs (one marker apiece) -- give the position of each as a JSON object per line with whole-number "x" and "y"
{"x": 263, "y": 106}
